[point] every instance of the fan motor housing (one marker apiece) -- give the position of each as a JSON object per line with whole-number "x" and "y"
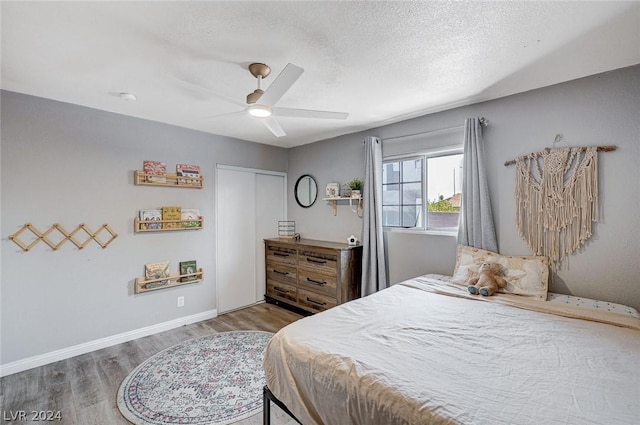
{"x": 254, "y": 96}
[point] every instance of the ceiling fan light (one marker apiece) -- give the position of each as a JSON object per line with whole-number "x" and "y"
{"x": 260, "y": 111}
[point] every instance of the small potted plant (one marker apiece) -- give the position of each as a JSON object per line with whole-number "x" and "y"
{"x": 356, "y": 186}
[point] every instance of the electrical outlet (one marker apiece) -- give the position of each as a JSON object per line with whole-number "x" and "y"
{"x": 180, "y": 301}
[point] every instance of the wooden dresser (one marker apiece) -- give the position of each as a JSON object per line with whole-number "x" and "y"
{"x": 312, "y": 275}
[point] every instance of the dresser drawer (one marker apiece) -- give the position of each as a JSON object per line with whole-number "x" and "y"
{"x": 282, "y": 291}
{"x": 281, "y": 273}
{"x": 280, "y": 254}
{"x": 314, "y": 302}
{"x": 323, "y": 260}
{"x": 317, "y": 282}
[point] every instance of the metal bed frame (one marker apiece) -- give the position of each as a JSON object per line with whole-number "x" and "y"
{"x": 267, "y": 397}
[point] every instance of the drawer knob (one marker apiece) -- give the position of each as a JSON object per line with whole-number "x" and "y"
{"x": 280, "y": 254}
{"x": 279, "y": 272}
{"x": 277, "y": 289}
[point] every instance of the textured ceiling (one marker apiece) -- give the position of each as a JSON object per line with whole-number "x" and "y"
{"x": 382, "y": 62}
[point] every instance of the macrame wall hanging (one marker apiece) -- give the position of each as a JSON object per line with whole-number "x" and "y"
{"x": 557, "y": 199}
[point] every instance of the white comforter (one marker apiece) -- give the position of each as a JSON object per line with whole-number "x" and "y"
{"x": 407, "y": 355}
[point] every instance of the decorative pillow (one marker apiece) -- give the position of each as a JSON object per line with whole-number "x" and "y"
{"x": 593, "y": 304}
{"x": 525, "y": 275}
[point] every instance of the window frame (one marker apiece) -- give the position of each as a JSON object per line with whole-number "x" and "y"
{"x": 425, "y": 155}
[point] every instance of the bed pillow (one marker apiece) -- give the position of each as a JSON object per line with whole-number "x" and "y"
{"x": 525, "y": 275}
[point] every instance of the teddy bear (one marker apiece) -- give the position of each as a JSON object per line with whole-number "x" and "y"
{"x": 489, "y": 280}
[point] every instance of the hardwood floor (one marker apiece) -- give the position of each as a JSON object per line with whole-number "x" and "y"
{"x": 84, "y": 388}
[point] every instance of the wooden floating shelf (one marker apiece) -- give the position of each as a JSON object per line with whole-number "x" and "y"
{"x": 138, "y": 225}
{"x": 174, "y": 280}
{"x": 172, "y": 180}
{"x": 334, "y": 203}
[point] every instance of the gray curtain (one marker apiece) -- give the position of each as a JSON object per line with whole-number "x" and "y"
{"x": 475, "y": 227}
{"x": 374, "y": 270}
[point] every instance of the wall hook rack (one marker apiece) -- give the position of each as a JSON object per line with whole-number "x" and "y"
{"x": 67, "y": 236}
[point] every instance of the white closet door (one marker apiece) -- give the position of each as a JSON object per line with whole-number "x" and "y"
{"x": 270, "y": 209}
{"x": 236, "y": 254}
{"x": 249, "y": 205}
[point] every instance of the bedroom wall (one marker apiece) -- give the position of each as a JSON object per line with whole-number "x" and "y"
{"x": 597, "y": 110}
{"x": 68, "y": 164}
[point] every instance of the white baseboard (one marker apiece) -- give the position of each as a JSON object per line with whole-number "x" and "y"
{"x": 87, "y": 347}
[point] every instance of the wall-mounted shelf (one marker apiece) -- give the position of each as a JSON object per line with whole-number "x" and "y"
{"x": 357, "y": 200}
{"x": 174, "y": 280}
{"x": 172, "y": 180}
{"x": 138, "y": 225}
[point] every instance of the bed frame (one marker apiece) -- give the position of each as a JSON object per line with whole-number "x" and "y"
{"x": 267, "y": 397}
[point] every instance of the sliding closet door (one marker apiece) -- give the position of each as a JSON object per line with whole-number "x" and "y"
{"x": 249, "y": 205}
{"x": 270, "y": 194}
{"x": 236, "y": 256}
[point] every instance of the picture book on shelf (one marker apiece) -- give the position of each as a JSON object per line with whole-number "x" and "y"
{"x": 156, "y": 271}
{"x": 150, "y": 219}
{"x": 172, "y": 213}
{"x": 188, "y": 267}
{"x": 187, "y": 170}
{"x": 191, "y": 217}
{"x": 155, "y": 171}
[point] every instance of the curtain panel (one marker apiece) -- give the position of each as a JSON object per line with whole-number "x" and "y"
{"x": 374, "y": 270}
{"x": 475, "y": 227}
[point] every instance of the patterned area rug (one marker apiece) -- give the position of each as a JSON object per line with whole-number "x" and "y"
{"x": 212, "y": 380}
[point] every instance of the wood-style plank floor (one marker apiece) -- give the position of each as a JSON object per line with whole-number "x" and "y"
{"x": 84, "y": 388}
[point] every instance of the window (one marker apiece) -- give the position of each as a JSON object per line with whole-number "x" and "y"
{"x": 422, "y": 192}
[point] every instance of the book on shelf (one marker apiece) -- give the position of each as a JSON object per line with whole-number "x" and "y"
{"x": 188, "y": 268}
{"x": 171, "y": 213}
{"x": 156, "y": 171}
{"x": 190, "y": 217}
{"x": 150, "y": 219}
{"x": 187, "y": 170}
{"x": 156, "y": 271}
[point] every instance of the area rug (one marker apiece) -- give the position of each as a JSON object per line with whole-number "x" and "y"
{"x": 212, "y": 380}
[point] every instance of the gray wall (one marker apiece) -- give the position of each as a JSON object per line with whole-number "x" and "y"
{"x": 68, "y": 164}
{"x": 598, "y": 110}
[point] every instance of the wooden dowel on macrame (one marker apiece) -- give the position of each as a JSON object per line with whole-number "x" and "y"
{"x": 607, "y": 148}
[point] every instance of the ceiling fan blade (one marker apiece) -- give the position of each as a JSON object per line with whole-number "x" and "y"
{"x": 227, "y": 115}
{"x": 281, "y": 84}
{"x": 201, "y": 88}
{"x": 309, "y": 113}
{"x": 273, "y": 126}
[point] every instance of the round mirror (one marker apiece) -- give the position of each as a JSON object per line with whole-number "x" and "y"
{"x": 306, "y": 191}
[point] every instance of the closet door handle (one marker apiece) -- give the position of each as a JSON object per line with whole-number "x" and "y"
{"x": 317, "y": 282}
{"x": 315, "y": 302}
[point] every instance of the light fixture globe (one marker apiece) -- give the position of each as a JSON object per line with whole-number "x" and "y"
{"x": 260, "y": 111}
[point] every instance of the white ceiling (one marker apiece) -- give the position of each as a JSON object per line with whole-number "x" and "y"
{"x": 382, "y": 62}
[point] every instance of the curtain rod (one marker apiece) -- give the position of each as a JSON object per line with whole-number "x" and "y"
{"x": 483, "y": 121}
{"x": 607, "y": 148}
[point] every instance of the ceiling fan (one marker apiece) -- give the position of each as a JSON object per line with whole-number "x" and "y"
{"x": 261, "y": 103}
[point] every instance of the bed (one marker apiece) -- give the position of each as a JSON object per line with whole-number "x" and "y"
{"x": 425, "y": 351}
